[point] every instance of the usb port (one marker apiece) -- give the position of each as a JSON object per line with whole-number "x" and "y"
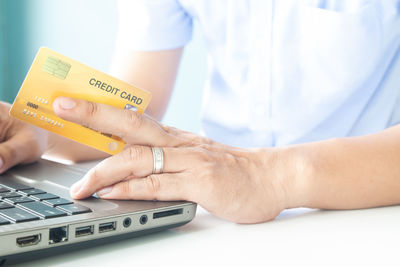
{"x": 107, "y": 227}
{"x": 84, "y": 230}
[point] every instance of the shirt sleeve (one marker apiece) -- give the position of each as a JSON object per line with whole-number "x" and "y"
{"x": 151, "y": 25}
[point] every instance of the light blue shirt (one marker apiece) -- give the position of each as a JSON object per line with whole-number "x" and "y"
{"x": 285, "y": 71}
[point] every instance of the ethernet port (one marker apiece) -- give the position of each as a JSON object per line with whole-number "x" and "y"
{"x": 59, "y": 234}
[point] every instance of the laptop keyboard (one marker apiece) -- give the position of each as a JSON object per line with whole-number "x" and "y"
{"x": 22, "y": 203}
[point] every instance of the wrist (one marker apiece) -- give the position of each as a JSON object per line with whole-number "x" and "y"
{"x": 292, "y": 169}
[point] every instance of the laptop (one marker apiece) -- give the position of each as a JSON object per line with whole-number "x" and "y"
{"x": 38, "y": 217}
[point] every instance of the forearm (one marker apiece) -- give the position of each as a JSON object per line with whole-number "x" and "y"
{"x": 347, "y": 173}
{"x": 154, "y": 71}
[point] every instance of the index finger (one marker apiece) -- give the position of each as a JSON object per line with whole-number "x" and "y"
{"x": 131, "y": 126}
{"x": 134, "y": 161}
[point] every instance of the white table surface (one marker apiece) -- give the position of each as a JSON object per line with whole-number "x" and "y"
{"x": 297, "y": 237}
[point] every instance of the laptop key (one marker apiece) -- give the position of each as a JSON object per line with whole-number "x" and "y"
{"x": 44, "y": 196}
{"x": 21, "y": 199}
{"x": 18, "y": 215}
{"x": 9, "y": 195}
{"x": 4, "y": 205}
{"x": 14, "y": 185}
{"x": 33, "y": 191}
{"x": 3, "y": 189}
{"x": 57, "y": 202}
{"x": 43, "y": 210}
{"x": 74, "y": 209}
{"x": 3, "y": 221}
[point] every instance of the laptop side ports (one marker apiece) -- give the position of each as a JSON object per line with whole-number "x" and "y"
{"x": 167, "y": 213}
{"x": 29, "y": 240}
{"x": 107, "y": 227}
{"x": 58, "y": 234}
{"x": 84, "y": 230}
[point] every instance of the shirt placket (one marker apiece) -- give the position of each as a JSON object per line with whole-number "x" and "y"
{"x": 260, "y": 67}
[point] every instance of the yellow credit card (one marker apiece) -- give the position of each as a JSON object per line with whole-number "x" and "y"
{"x": 52, "y": 75}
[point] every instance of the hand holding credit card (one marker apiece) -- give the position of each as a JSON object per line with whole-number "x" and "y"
{"x": 52, "y": 75}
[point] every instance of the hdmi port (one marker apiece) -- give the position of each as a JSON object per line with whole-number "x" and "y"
{"x": 29, "y": 240}
{"x": 84, "y": 231}
{"x": 107, "y": 227}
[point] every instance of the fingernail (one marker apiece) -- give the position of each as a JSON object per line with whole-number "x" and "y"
{"x": 66, "y": 102}
{"x": 104, "y": 191}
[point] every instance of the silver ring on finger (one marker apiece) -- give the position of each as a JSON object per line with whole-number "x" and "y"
{"x": 158, "y": 159}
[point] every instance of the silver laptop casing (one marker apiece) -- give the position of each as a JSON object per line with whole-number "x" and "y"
{"x": 56, "y": 178}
